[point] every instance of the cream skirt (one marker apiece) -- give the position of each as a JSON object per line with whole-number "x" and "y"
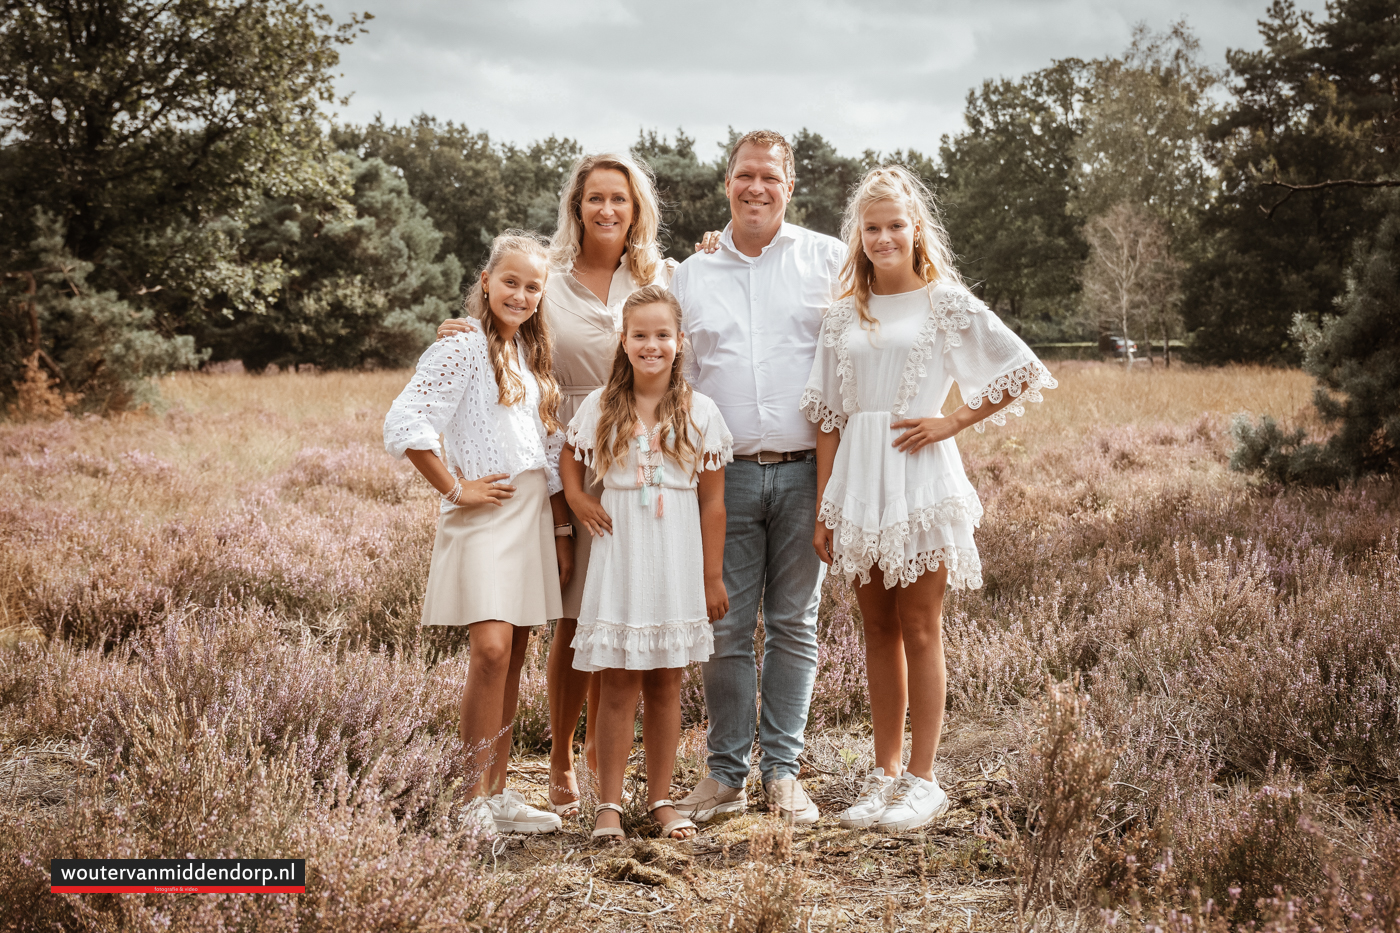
{"x": 496, "y": 563}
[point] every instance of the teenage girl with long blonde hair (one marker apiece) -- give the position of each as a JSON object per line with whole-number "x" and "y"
{"x": 892, "y": 492}
{"x": 492, "y": 396}
{"x": 656, "y": 579}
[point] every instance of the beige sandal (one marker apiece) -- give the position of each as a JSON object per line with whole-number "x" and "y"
{"x": 566, "y": 811}
{"x": 606, "y": 832}
{"x": 678, "y": 823}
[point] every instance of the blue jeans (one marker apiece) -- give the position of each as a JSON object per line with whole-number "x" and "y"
{"x": 768, "y": 556}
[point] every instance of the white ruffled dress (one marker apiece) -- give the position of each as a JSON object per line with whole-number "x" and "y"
{"x": 907, "y": 513}
{"x": 644, "y": 599}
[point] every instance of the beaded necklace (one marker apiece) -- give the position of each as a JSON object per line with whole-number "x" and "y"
{"x": 651, "y": 465}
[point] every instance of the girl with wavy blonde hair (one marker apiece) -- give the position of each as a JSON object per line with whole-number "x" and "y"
{"x": 932, "y": 259}
{"x": 491, "y": 395}
{"x": 532, "y": 337}
{"x": 893, "y": 496}
{"x": 655, "y": 580}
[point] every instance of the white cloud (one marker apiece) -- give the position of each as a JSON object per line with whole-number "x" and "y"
{"x": 882, "y": 75}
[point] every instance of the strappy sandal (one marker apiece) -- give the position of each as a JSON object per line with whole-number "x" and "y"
{"x": 679, "y": 822}
{"x": 606, "y": 832}
{"x": 565, "y": 811}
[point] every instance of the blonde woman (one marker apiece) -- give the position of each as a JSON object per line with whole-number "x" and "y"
{"x": 893, "y": 495}
{"x": 604, "y": 248}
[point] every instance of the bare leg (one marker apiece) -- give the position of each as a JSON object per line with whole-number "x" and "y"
{"x": 520, "y": 642}
{"x": 590, "y": 725}
{"x": 483, "y": 698}
{"x": 661, "y": 733}
{"x": 886, "y": 673}
{"x": 617, "y": 722}
{"x": 567, "y": 690}
{"x": 921, "y": 621}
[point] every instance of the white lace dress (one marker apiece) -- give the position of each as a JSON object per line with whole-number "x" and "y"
{"x": 906, "y": 513}
{"x": 644, "y": 599}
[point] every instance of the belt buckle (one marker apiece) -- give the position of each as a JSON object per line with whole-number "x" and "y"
{"x": 762, "y": 462}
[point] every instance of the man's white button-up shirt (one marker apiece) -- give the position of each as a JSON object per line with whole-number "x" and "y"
{"x": 752, "y": 323}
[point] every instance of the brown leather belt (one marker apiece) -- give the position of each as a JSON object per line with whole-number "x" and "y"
{"x": 776, "y": 456}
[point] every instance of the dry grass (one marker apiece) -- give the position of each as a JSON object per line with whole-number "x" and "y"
{"x": 1176, "y": 703}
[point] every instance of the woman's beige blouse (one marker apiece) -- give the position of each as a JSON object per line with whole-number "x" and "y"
{"x": 585, "y": 329}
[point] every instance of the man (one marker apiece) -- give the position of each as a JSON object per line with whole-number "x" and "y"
{"x": 752, "y": 312}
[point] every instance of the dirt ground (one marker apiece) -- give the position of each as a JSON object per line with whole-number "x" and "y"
{"x": 949, "y": 876}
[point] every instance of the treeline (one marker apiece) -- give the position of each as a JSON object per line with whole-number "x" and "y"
{"x": 171, "y": 193}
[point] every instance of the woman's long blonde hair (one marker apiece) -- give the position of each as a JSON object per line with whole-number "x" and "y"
{"x": 643, "y": 257}
{"x": 933, "y": 256}
{"x": 535, "y": 342}
{"x": 618, "y": 419}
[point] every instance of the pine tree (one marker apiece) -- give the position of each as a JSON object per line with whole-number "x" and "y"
{"x": 1356, "y": 358}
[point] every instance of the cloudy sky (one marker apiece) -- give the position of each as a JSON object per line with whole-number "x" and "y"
{"x": 880, "y": 74}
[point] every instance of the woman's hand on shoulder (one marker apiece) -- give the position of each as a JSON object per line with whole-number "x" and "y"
{"x": 489, "y": 490}
{"x": 589, "y": 510}
{"x": 454, "y": 326}
{"x": 709, "y": 242}
{"x": 920, "y": 432}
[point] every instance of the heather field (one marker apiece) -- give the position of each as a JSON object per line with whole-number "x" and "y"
{"x": 1174, "y": 706}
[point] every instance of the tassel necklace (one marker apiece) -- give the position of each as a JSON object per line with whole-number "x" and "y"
{"x": 651, "y": 469}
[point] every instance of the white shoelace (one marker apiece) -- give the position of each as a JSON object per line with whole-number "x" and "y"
{"x": 871, "y": 788}
{"x": 905, "y": 788}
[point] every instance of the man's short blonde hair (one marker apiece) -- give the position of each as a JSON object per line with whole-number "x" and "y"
{"x": 764, "y": 139}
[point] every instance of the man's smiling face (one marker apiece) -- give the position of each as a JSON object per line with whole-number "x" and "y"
{"x": 758, "y": 188}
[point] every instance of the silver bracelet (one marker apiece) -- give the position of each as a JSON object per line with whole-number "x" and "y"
{"x": 455, "y": 494}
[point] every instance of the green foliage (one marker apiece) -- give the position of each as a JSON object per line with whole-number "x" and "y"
{"x": 150, "y": 132}
{"x": 1144, "y": 125}
{"x": 691, "y": 191}
{"x": 1356, "y": 358}
{"x": 361, "y": 282}
{"x": 1005, "y": 185}
{"x": 104, "y": 348}
{"x": 1309, "y": 107}
{"x": 473, "y": 188}
{"x": 825, "y": 180}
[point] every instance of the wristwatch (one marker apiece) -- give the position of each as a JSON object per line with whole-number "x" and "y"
{"x": 564, "y": 531}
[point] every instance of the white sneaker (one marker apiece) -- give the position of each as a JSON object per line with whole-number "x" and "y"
{"x": 513, "y": 815}
{"x": 875, "y": 793}
{"x": 914, "y": 803}
{"x": 477, "y": 813}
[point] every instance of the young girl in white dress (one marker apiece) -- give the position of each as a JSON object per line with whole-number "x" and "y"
{"x": 893, "y": 495}
{"x": 491, "y": 395}
{"x": 655, "y": 575}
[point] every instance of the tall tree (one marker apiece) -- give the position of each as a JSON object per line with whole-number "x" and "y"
{"x": 361, "y": 283}
{"x": 472, "y": 187}
{"x": 1144, "y": 131}
{"x": 1130, "y": 278}
{"x": 1355, "y": 356}
{"x": 1005, "y": 186}
{"x": 1316, "y": 104}
{"x": 825, "y": 179}
{"x": 149, "y": 129}
{"x": 691, "y": 191}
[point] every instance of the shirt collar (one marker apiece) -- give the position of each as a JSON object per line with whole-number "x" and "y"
{"x": 787, "y": 232}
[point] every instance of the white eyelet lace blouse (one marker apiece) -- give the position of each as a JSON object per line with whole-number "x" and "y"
{"x": 453, "y": 393}
{"x": 907, "y": 513}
